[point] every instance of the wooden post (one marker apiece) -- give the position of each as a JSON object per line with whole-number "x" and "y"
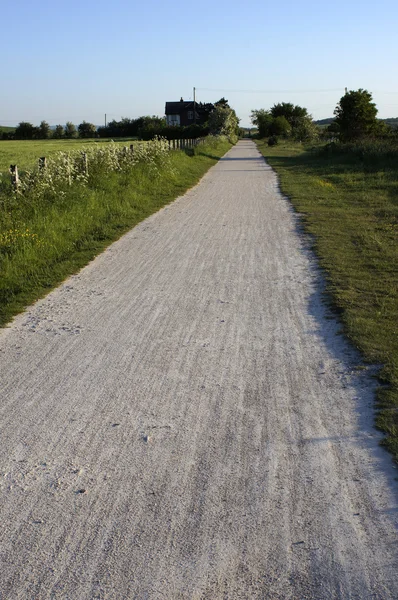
{"x": 42, "y": 163}
{"x": 174, "y": 144}
{"x": 132, "y": 147}
{"x": 14, "y": 177}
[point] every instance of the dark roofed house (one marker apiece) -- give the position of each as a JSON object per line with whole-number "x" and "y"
{"x": 180, "y": 113}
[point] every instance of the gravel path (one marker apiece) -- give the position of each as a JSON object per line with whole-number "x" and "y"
{"x": 182, "y": 419}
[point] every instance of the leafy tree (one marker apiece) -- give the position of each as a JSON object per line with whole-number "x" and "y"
{"x": 203, "y": 110}
{"x": 356, "y": 115}
{"x": 25, "y": 131}
{"x": 280, "y": 126}
{"x": 146, "y": 126}
{"x": 87, "y": 130}
{"x": 292, "y": 113}
{"x": 223, "y": 121}
{"x": 222, "y": 102}
{"x": 262, "y": 119}
{"x": 305, "y": 130}
{"x": 44, "y": 130}
{"x": 58, "y": 132}
{"x": 70, "y": 130}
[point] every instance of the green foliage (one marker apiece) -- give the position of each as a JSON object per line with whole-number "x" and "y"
{"x": 25, "y": 131}
{"x": 87, "y": 130}
{"x": 145, "y": 127}
{"x": 223, "y": 102}
{"x": 262, "y": 119}
{"x": 356, "y": 115}
{"x": 347, "y": 195}
{"x": 293, "y": 114}
{"x": 305, "y": 130}
{"x": 58, "y": 132}
{"x": 7, "y": 133}
{"x": 44, "y": 130}
{"x": 285, "y": 119}
{"x": 70, "y": 130}
{"x": 280, "y": 126}
{"x": 223, "y": 121}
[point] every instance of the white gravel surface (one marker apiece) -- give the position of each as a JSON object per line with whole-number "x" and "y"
{"x": 182, "y": 419}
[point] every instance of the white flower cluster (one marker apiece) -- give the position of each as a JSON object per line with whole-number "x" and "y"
{"x": 65, "y": 168}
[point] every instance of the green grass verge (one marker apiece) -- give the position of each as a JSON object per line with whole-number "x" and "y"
{"x": 349, "y": 202}
{"x": 26, "y": 153}
{"x": 50, "y": 240}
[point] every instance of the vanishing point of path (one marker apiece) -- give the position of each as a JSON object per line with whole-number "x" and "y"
{"x": 182, "y": 419}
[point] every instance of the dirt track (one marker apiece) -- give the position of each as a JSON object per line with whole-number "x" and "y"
{"x": 182, "y": 420}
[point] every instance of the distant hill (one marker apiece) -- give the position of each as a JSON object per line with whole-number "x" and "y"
{"x": 324, "y": 122}
{"x": 392, "y": 122}
{"x": 6, "y": 129}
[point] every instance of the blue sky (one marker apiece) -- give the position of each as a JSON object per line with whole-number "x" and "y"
{"x": 78, "y": 60}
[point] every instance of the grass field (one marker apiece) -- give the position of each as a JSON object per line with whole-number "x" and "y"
{"x": 45, "y": 238}
{"x": 349, "y": 202}
{"x": 25, "y": 153}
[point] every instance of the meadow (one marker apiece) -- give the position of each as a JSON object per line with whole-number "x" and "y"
{"x": 25, "y": 153}
{"x": 347, "y": 197}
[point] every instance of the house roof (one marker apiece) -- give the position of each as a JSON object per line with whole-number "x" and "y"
{"x": 174, "y": 108}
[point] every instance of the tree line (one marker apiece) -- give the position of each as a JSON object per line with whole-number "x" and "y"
{"x": 355, "y": 117}
{"x": 27, "y": 131}
{"x": 217, "y": 118}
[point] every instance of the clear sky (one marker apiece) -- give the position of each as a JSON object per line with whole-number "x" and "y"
{"x": 70, "y": 60}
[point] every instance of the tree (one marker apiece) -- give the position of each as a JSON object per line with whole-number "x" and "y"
{"x": 356, "y": 115}
{"x": 305, "y": 130}
{"x": 58, "y": 132}
{"x": 280, "y": 126}
{"x": 25, "y": 131}
{"x": 262, "y": 119}
{"x": 87, "y": 130}
{"x": 44, "y": 130}
{"x": 222, "y": 102}
{"x": 292, "y": 113}
{"x": 223, "y": 121}
{"x": 70, "y": 130}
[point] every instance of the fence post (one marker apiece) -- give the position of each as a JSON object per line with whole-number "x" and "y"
{"x": 132, "y": 147}
{"x": 14, "y": 177}
{"x": 42, "y": 163}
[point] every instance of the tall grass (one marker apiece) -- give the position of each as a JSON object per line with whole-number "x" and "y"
{"x": 63, "y": 217}
{"x": 348, "y": 198}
